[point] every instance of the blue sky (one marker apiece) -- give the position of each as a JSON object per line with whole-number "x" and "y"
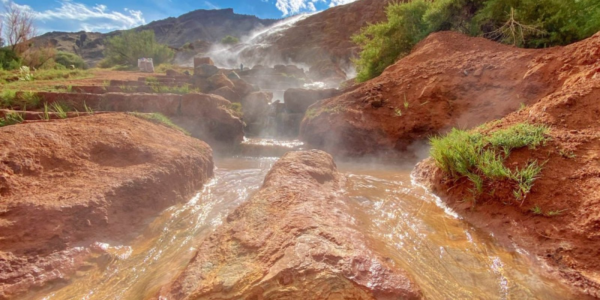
{"x": 109, "y": 15}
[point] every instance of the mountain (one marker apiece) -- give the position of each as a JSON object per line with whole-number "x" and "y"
{"x": 206, "y": 25}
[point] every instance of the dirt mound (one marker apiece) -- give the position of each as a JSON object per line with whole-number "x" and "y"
{"x": 449, "y": 80}
{"x": 67, "y": 184}
{"x": 293, "y": 239}
{"x": 559, "y": 221}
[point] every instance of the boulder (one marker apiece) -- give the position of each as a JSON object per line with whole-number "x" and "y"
{"x": 256, "y": 106}
{"x": 296, "y": 238}
{"x": 74, "y": 182}
{"x": 227, "y": 93}
{"x": 243, "y": 88}
{"x": 298, "y": 100}
{"x": 205, "y": 71}
{"x": 198, "y": 61}
{"x": 219, "y": 80}
{"x": 210, "y": 118}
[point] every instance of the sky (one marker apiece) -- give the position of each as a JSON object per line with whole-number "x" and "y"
{"x": 109, "y": 15}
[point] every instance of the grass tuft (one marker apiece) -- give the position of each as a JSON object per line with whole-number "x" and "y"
{"x": 160, "y": 119}
{"x": 11, "y": 119}
{"x": 480, "y": 157}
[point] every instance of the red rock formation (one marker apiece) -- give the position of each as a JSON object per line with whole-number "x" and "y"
{"x": 292, "y": 240}
{"x": 449, "y": 80}
{"x": 207, "y": 117}
{"x": 67, "y": 184}
{"x": 564, "y": 233}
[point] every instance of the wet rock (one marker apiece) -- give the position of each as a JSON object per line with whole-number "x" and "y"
{"x": 298, "y": 100}
{"x": 294, "y": 239}
{"x": 74, "y": 182}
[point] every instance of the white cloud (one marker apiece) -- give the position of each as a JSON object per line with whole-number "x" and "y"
{"x": 291, "y": 7}
{"x": 79, "y": 16}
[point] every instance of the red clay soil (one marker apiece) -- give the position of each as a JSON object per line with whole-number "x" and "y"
{"x": 67, "y": 184}
{"x": 567, "y": 244}
{"x": 294, "y": 239}
{"x": 449, "y": 80}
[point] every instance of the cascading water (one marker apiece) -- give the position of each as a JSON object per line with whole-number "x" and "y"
{"x": 254, "y": 49}
{"x": 447, "y": 257}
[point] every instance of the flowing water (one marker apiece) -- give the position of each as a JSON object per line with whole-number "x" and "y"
{"x": 448, "y": 258}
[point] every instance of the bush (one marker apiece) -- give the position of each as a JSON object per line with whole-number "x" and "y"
{"x": 383, "y": 43}
{"x": 230, "y": 40}
{"x": 9, "y": 60}
{"x": 480, "y": 157}
{"x": 126, "y": 48}
{"x": 68, "y": 59}
{"x": 525, "y": 23}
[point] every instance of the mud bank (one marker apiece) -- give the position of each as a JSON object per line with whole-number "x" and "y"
{"x": 449, "y": 80}
{"x": 559, "y": 221}
{"x": 294, "y": 239}
{"x": 72, "y": 186}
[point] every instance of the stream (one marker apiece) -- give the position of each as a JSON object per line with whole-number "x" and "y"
{"x": 448, "y": 258}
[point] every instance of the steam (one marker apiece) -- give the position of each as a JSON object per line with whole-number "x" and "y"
{"x": 255, "y": 48}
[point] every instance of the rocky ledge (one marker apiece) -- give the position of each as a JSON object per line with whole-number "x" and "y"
{"x": 66, "y": 185}
{"x": 294, "y": 239}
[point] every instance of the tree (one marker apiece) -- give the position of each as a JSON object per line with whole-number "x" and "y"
{"x": 126, "y": 48}
{"x": 19, "y": 28}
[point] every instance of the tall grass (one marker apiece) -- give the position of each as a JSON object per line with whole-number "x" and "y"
{"x": 480, "y": 157}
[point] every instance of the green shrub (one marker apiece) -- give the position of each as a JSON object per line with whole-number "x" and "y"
{"x": 525, "y": 23}
{"x": 126, "y": 48}
{"x": 383, "y": 43}
{"x": 68, "y": 59}
{"x": 230, "y": 40}
{"x": 480, "y": 157}
{"x": 9, "y": 60}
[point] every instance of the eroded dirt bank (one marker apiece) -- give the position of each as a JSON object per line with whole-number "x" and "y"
{"x": 294, "y": 239}
{"x": 449, "y": 80}
{"x": 559, "y": 221}
{"x": 65, "y": 185}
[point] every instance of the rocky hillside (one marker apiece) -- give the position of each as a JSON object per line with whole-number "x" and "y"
{"x": 327, "y": 35}
{"x": 449, "y": 80}
{"x": 205, "y": 25}
{"x": 558, "y": 222}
